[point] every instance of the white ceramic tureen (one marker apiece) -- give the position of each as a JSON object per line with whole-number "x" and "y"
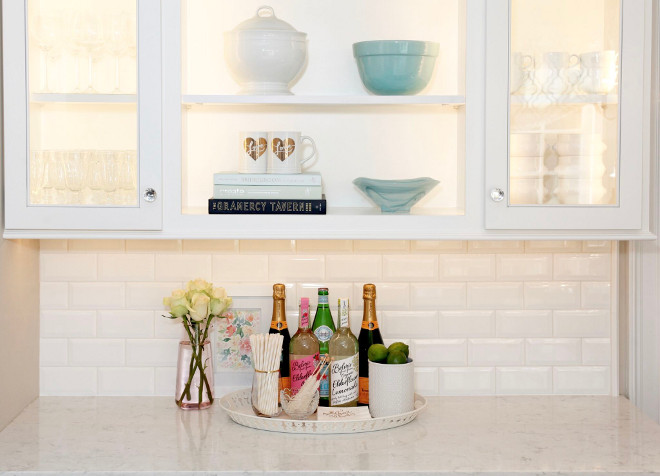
{"x": 265, "y": 54}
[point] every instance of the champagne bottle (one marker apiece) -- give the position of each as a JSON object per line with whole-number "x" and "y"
{"x": 303, "y": 350}
{"x": 278, "y": 325}
{"x": 344, "y": 353}
{"x": 369, "y": 334}
{"x": 323, "y": 328}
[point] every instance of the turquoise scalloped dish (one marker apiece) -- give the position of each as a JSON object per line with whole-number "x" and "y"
{"x": 395, "y": 196}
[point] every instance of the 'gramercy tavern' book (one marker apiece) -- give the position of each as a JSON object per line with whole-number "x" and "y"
{"x": 219, "y": 206}
{"x": 279, "y": 192}
{"x": 235, "y": 178}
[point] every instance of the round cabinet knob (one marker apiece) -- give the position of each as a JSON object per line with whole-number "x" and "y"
{"x": 497, "y": 194}
{"x": 149, "y": 195}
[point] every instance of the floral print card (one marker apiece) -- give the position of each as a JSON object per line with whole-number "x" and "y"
{"x": 232, "y": 350}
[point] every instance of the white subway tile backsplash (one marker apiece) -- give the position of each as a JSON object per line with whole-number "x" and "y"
{"x": 239, "y": 268}
{"x": 467, "y": 324}
{"x": 596, "y": 351}
{"x": 149, "y": 295}
{"x": 582, "y": 380}
{"x": 438, "y": 295}
{"x": 552, "y": 295}
{"x": 439, "y": 352}
{"x": 96, "y": 295}
{"x": 180, "y": 267}
{"x": 96, "y": 352}
{"x": 122, "y": 381}
{"x": 53, "y": 295}
{"x": 492, "y": 352}
{"x": 126, "y": 267}
{"x": 67, "y": 267}
{"x": 524, "y": 323}
{"x": 589, "y": 323}
{"x": 527, "y": 267}
{"x": 362, "y": 268}
{"x": 596, "y": 295}
{"x": 524, "y": 380}
{"x": 152, "y": 352}
{"x": 508, "y": 246}
{"x": 553, "y": 352}
{"x": 430, "y": 246}
{"x": 495, "y": 295}
{"x": 410, "y": 324}
{"x": 67, "y": 381}
{"x": 53, "y": 352}
{"x": 466, "y": 267}
{"x": 466, "y": 381}
{"x": 426, "y": 381}
{"x": 68, "y": 323}
{"x": 389, "y": 296}
{"x": 547, "y": 246}
{"x": 410, "y": 268}
{"x": 585, "y": 266}
{"x": 506, "y": 317}
{"x": 295, "y": 267}
{"x": 123, "y": 323}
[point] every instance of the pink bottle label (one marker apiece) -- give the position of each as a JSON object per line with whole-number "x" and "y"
{"x": 301, "y": 369}
{"x": 304, "y": 313}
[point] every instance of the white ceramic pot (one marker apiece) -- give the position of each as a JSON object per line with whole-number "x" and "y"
{"x": 265, "y": 54}
{"x": 391, "y": 389}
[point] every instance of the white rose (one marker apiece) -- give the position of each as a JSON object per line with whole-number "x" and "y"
{"x": 199, "y": 307}
{"x": 199, "y": 286}
{"x": 177, "y": 303}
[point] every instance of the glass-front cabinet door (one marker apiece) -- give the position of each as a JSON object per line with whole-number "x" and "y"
{"x": 82, "y": 114}
{"x": 565, "y": 114}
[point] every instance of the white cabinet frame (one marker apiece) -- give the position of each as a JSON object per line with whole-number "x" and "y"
{"x": 19, "y": 215}
{"x": 632, "y": 212}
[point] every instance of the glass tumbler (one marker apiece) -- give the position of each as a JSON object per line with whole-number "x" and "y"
{"x": 265, "y": 393}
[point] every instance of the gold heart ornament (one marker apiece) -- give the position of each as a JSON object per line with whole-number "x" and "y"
{"x": 254, "y": 149}
{"x": 283, "y": 149}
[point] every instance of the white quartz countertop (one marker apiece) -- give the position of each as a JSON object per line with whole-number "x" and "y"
{"x": 454, "y": 435}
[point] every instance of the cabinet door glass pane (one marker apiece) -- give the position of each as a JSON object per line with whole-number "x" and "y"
{"x": 83, "y": 105}
{"x": 564, "y": 115}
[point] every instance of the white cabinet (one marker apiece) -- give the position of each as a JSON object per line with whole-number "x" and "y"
{"x": 566, "y": 114}
{"x": 82, "y": 114}
{"x": 184, "y": 116}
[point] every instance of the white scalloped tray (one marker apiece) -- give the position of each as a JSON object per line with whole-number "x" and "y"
{"x": 239, "y": 408}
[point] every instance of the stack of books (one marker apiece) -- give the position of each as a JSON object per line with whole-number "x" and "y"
{"x": 235, "y": 193}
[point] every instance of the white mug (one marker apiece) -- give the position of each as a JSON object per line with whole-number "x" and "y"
{"x": 253, "y": 152}
{"x": 285, "y": 152}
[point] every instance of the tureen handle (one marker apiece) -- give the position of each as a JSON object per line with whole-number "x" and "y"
{"x": 265, "y": 11}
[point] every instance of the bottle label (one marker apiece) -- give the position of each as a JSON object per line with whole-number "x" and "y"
{"x": 324, "y": 385}
{"x": 304, "y": 318}
{"x": 301, "y": 369}
{"x": 364, "y": 390}
{"x": 323, "y": 299}
{"x": 323, "y": 333}
{"x": 279, "y": 325}
{"x": 344, "y": 380}
{"x": 370, "y": 325}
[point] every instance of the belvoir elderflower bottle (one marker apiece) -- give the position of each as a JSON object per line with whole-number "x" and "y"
{"x": 344, "y": 352}
{"x": 369, "y": 334}
{"x": 303, "y": 350}
{"x": 323, "y": 328}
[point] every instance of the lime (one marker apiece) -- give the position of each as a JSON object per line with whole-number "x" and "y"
{"x": 377, "y": 353}
{"x": 397, "y": 357}
{"x": 400, "y": 346}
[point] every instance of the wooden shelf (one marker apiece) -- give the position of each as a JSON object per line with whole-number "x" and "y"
{"x": 63, "y": 98}
{"x": 349, "y": 100}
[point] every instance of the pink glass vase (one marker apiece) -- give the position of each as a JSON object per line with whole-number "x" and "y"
{"x": 194, "y": 376}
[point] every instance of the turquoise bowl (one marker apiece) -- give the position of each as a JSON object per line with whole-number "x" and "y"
{"x": 395, "y": 67}
{"x": 395, "y": 196}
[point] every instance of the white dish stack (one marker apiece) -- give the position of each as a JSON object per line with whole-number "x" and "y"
{"x": 527, "y": 168}
{"x": 580, "y": 169}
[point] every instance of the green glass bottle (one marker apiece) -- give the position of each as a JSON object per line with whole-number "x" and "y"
{"x": 323, "y": 327}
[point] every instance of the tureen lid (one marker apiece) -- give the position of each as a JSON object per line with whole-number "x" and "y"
{"x": 265, "y": 19}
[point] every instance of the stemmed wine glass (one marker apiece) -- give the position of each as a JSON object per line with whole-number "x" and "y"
{"x": 54, "y": 184}
{"x": 88, "y": 34}
{"x": 75, "y": 175}
{"x": 118, "y": 33}
{"x": 110, "y": 175}
{"x": 48, "y": 36}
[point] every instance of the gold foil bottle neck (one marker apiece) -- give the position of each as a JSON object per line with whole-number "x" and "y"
{"x": 369, "y": 291}
{"x": 279, "y": 291}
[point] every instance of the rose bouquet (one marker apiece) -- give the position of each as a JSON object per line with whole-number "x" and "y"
{"x": 196, "y": 306}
